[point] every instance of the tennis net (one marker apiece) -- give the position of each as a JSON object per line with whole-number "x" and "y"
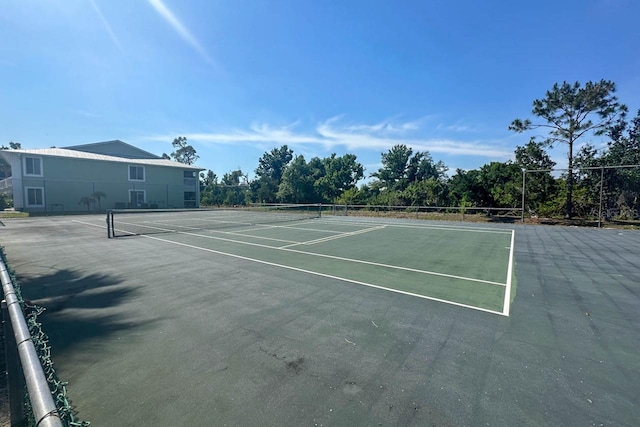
{"x": 131, "y": 222}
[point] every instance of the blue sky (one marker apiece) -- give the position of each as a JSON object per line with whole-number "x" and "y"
{"x": 240, "y": 77}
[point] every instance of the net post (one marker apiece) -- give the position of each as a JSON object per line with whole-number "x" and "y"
{"x": 108, "y": 226}
{"x": 14, "y": 378}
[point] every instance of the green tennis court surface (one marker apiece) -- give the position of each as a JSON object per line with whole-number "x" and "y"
{"x": 466, "y": 266}
{"x": 337, "y": 321}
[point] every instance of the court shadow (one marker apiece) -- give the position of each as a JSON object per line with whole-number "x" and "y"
{"x": 79, "y": 308}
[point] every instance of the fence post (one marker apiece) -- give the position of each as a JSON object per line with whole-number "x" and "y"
{"x": 601, "y": 191}
{"x": 14, "y": 377}
{"x": 524, "y": 180}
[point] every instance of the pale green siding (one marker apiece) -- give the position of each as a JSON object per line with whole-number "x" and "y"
{"x": 66, "y": 181}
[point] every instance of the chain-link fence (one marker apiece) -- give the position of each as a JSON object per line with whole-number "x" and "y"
{"x": 450, "y": 213}
{"x": 598, "y": 195}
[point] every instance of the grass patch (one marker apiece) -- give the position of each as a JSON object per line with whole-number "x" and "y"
{"x": 12, "y": 214}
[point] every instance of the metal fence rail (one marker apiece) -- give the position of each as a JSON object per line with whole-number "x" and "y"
{"x": 44, "y": 408}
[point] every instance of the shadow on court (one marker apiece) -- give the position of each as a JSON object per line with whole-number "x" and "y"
{"x": 92, "y": 294}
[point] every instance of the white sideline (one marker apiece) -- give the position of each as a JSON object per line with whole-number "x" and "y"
{"x": 507, "y": 292}
{"x": 337, "y": 236}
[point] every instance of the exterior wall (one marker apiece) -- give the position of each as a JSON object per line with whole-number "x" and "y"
{"x": 66, "y": 181}
{"x": 16, "y": 173}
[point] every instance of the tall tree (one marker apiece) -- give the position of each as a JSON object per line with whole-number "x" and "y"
{"x": 5, "y": 168}
{"x": 623, "y": 184}
{"x": 394, "y": 166}
{"x": 466, "y": 189}
{"x": 624, "y": 146}
{"x": 184, "y": 153}
{"x": 540, "y": 185}
{"x": 400, "y": 168}
{"x": 232, "y": 178}
{"x": 231, "y": 191}
{"x": 338, "y": 175}
{"x": 502, "y": 182}
{"x": 297, "y": 184}
{"x": 269, "y": 172}
{"x": 273, "y": 163}
{"x": 210, "y": 178}
{"x": 570, "y": 112}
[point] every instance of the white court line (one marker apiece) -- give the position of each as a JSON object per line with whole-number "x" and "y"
{"x": 426, "y": 226}
{"x": 329, "y": 276}
{"x": 357, "y": 261}
{"x": 289, "y": 227}
{"x": 507, "y": 292}
{"x": 237, "y": 233}
{"x": 88, "y": 223}
{"x": 329, "y": 238}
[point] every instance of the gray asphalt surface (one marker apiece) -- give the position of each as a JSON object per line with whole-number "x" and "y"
{"x": 148, "y": 333}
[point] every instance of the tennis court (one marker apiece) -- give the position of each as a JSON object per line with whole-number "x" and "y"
{"x": 454, "y": 264}
{"x": 336, "y": 321}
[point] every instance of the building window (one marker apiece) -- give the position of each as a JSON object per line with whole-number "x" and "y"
{"x": 190, "y": 178}
{"x": 137, "y": 199}
{"x": 32, "y": 166}
{"x": 35, "y": 197}
{"x": 189, "y": 199}
{"x": 136, "y": 173}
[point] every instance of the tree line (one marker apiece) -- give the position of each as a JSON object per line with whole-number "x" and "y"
{"x": 570, "y": 113}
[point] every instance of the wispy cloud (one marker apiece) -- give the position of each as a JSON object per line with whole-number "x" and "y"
{"x": 106, "y": 26}
{"x": 182, "y": 31}
{"x": 388, "y": 126}
{"x": 332, "y": 133}
{"x": 457, "y": 127}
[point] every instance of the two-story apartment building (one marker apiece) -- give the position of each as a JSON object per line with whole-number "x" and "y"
{"x": 98, "y": 176}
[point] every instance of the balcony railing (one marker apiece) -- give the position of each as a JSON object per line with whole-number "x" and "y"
{"x": 6, "y": 185}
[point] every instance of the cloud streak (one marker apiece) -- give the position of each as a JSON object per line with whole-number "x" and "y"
{"x": 331, "y": 133}
{"x": 106, "y": 26}
{"x": 182, "y": 31}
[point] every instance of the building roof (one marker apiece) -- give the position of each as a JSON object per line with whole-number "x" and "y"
{"x": 75, "y": 154}
{"x": 114, "y": 148}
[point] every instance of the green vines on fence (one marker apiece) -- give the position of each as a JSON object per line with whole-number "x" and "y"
{"x": 41, "y": 342}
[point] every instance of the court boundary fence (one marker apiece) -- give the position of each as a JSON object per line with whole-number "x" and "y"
{"x": 596, "y": 180}
{"x": 36, "y": 396}
{"x": 421, "y": 211}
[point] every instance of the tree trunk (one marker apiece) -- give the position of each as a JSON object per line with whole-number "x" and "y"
{"x": 569, "y": 211}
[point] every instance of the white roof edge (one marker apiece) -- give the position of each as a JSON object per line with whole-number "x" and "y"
{"x": 74, "y": 154}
